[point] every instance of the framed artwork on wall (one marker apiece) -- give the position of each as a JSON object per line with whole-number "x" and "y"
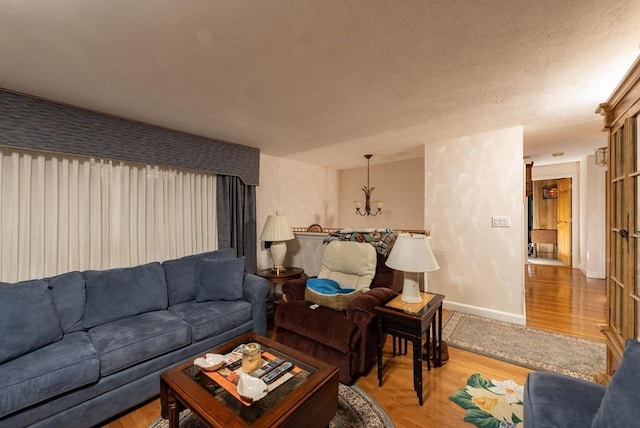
{"x": 549, "y": 192}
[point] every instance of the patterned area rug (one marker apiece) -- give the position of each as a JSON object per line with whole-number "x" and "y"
{"x": 524, "y": 346}
{"x": 356, "y": 409}
{"x": 491, "y": 404}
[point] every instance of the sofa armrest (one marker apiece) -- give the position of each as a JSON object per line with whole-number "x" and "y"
{"x": 293, "y": 289}
{"x": 255, "y": 291}
{"x": 361, "y": 312}
{"x": 360, "y": 309}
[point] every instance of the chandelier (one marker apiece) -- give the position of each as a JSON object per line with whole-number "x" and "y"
{"x": 367, "y": 195}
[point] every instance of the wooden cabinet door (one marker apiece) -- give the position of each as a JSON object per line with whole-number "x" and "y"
{"x": 564, "y": 220}
{"x": 618, "y": 277}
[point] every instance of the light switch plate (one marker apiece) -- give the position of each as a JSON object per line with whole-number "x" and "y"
{"x": 501, "y": 221}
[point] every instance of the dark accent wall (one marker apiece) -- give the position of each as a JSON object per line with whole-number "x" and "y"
{"x": 36, "y": 124}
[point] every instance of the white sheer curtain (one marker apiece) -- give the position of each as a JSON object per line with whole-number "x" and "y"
{"x": 60, "y": 213}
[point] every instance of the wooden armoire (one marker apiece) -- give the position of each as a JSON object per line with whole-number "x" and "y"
{"x": 622, "y": 121}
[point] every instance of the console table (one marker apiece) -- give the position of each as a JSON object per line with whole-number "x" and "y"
{"x": 412, "y": 321}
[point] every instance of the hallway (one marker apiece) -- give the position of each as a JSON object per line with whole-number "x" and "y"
{"x": 562, "y": 299}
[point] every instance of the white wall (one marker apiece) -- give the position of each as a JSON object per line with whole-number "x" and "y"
{"x": 592, "y": 218}
{"x": 399, "y": 184}
{"x": 468, "y": 180}
{"x": 306, "y": 194}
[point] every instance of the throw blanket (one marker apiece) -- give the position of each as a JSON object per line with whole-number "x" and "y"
{"x": 381, "y": 239}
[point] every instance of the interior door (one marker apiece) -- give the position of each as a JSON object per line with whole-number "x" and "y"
{"x": 619, "y": 279}
{"x": 564, "y": 220}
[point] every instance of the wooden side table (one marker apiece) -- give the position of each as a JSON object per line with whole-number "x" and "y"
{"x": 277, "y": 279}
{"x": 412, "y": 321}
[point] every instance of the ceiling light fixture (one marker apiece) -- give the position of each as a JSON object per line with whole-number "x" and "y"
{"x": 367, "y": 195}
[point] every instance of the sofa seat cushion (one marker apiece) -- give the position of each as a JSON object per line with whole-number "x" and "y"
{"x": 323, "y": 325}
{"x": 28, "y": 311}
{"x": 210, "y": 318}
{"x": 62, "y": 366}
{"x": 555, "y": 400}
{"x": 327, "y": 292}
{"x": 126, "y": 342}
{"x": 115, "y": 294}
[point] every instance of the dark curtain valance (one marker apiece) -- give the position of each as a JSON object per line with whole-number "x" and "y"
{"x": 36, "y": 124}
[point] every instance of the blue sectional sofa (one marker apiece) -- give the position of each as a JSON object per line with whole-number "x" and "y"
{"x": 81, "y": 347}
{"x": 553, "y": 400}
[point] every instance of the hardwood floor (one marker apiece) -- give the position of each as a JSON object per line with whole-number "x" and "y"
{"x": 564, "y": 300}
{"x": 557, "y": 298}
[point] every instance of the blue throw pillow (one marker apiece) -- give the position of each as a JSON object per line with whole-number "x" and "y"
{"x": 28, "y": 318}
{"x": 221, "y": 279}
{"x": 619, "y": 406}
{"x": 327, "y": 286}
{"x": 183, "y": 274}
{"x": 69, "y": 295}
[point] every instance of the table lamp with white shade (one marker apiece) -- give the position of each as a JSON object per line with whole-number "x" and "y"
{"x": 412, "y": 254}
{"x": 277, "y": 230}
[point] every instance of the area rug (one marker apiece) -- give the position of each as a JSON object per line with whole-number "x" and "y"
{"x": 356, "y": 409}
{"x": 525, "y": 346}
{"x": 491, "y": 403}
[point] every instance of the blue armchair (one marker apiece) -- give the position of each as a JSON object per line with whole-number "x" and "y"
{"x": 554, "y": 400}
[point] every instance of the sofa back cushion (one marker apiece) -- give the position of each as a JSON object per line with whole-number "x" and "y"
{"x": 114, "y": 294}
{"x": 220, "y": 279}
{"x": 68, "y": 294}
{"x": 28, "y": 313}
{"x": 350, "y": 264}
{"x": 183, "y": 274}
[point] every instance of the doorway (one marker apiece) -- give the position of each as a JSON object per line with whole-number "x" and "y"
{"x": 549, "y": 222}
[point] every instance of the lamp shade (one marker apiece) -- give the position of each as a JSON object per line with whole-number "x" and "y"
{"x": 276, "y": 228}
{"x": 412, "y": 253}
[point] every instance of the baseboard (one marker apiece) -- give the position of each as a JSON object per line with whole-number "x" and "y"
{"x": 485, "y": 312}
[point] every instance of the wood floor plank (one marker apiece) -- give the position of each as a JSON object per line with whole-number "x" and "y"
{"x": 558, "y": 299}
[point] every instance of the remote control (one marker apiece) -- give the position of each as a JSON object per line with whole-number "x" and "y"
{"x": 267, "y": 367}
{"x": 277, "y": 372}
{"x": 235, "y": 364}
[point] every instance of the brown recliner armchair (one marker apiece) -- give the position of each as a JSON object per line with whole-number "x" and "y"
{"x": 348, "y": 338}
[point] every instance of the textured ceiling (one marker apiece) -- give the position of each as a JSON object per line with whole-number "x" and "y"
{"x": 325, "y": 82}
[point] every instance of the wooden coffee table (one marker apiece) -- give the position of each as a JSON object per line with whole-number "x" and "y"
{"x": 309, "y": 398}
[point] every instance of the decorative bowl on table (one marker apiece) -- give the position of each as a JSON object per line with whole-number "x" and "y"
{"x": 210, "y": 362}
{"x": 251, "y": 388}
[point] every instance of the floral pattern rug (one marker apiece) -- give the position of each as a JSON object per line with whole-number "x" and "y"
{"x": 491, "y": 403}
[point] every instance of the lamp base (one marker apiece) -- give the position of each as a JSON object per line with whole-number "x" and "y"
{"x": 278, "y": 251}
{"x": 411, "y": 288}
